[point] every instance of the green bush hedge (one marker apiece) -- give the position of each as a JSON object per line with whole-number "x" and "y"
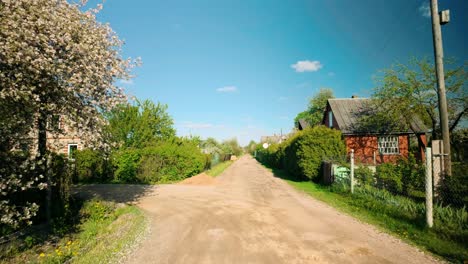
{"x": 92, "y": 166}
{"x": 302, "y": 154}
{"x": 453, "y": 190}
{"x": 163, "y": 162}
{"x": 364, "y": 175}
{"x": 305, "y": 152}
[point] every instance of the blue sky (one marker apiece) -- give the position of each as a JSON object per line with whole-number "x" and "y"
{"x": 246, "y": 68}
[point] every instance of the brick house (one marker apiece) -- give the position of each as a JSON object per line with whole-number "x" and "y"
{"x": 372, "y": 146}
{"x": 65, "y": 142}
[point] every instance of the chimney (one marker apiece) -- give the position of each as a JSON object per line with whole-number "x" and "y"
{"x": 354, "y": 96}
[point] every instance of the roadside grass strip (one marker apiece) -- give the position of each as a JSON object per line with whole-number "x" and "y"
{"x": 219, "y": 168}
{"x": 106, "y": 233}
{"x": 396, "y": 215}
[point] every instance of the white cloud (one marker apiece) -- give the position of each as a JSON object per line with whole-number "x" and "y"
{"x": 227, "y": 89}
{"x": 307, "y": 66}
{"x": 425, "y": 9}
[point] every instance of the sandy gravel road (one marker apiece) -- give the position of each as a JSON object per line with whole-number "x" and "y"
{"x": 249, "y": 216}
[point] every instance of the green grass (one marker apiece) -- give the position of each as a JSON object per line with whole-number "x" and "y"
{"x": 404, "y": 221}
{"x": 103, "y": 236}
{"x": 219, "y": 168}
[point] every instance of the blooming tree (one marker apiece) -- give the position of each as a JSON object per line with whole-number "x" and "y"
{"x": 55, "y": 59}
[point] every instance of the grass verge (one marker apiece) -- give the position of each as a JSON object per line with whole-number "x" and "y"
{"x": 389, "y": 219}
{"x": 219, "y": 168}
{"x": 106, "y": 232}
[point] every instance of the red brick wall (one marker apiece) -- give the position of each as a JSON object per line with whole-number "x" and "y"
{"x": 365, "y": 146}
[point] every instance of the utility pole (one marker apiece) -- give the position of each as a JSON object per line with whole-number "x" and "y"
{"x": 439, "y": 62}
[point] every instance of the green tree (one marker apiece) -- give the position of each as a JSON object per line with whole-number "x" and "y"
{"x": 314, "y": 113}
{"x": 231, "y": 146}
{"x": 140, "y": 124}
{"x": 404, "y": 91}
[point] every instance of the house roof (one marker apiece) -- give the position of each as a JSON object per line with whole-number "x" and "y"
{"x": 348, "y": 111}
{"x": 303, "y": 124}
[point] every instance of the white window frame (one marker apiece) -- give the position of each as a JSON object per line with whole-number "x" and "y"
{"x": 388, "y": 145}
{"x": 69, "y": 148}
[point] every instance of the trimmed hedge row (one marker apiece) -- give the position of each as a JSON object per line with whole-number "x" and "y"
{"x": 164, "y": 162}
{"x": 302, "y": 154}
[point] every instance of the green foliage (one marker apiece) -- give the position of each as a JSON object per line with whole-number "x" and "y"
{"x": 364, "y": 175}
{"x": 251, "y": 147}
{"x": 453, "y": 189}
{"x": 138, "y": 125}
{"x": 170, "y": 161}
{"x": 231, "y": 146}
{"x": 92, "y": 166}
{"x": 389, "y": 177}
{"x": 126, "y": 162}
{"x": 405, "y": 91}
{"x": 162, "y": 162}
{"x": 305, "y": 152}
{"x": 314, "y": 113}
{"x": 413, "y": 176}
{"x": 406, "y": 177}
{"x": 271, "y": 156}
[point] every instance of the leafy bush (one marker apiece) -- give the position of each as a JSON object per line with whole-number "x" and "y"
{"x": 364, "y": 175}
{"x": 305, "y": 152}
{"x": 453, "y": 190}
{"x": 126, "y": 162}
{"x": 389, "y": 177}
{"x": 413, "y": 176}
{"x": 170, "y": 161}
{"x": 271, "y": 156}
{"x": 162, "y": 162}
{"x": 92, "y": 166}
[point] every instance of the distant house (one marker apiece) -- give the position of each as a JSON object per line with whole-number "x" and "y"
{"x": 277, "y": 139}
{"x": 373, "y": 145}
{"x": 303, "y": 124}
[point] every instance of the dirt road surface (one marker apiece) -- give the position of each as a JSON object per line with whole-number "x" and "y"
{"x": 249, "y": 216}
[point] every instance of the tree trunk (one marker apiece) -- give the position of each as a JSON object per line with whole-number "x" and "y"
{"x": 45, "y": 161}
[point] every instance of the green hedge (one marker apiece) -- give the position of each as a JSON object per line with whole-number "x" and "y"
{"x": 305, "y": 152}
{"x": 163, "y": 162}
{"x": 302, "y": 154}
{"x": 92, "y": 166}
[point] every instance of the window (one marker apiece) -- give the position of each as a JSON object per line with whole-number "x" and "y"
{"x": 330, "y": 119}
{"x": 388, "y": 145}
{"x": 72, "y": 148}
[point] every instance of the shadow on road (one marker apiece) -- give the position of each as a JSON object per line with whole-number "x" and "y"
{"x": 119, "y": 193}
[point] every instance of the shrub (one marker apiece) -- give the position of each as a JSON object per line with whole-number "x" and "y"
{"x": 305, "y": 151}
{"x": 389, "y": 177}
{"x": 170, "y": 161}
{"x": 453, "y": 190}
{"x": 126, "y": 162}
{"x": 413, "y": 176}
{"x": 364, "y": 175}
{"x": 270, "y": 156}
{"x": 92, "y": 166}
